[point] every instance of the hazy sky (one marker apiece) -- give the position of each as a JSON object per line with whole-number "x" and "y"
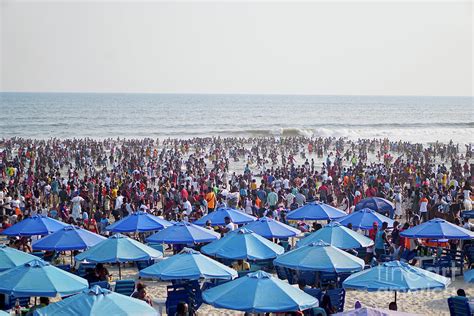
{"x": 283, "y": 48}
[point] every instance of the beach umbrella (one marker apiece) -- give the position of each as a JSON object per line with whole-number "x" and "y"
{"x": 2, "y": 313}
{"x": 34, "y": 225}
{"x": 183, "y": 233}
{"x": 395, "y": 276}
{"x": 271, "y": 228}
{"x": 378, "y": 204}
{"x": 469, "y": 276}
{"x": 98, "y": 301}
{"x": 364, "y": 219}
{"x": 316, "y": 211}
{"x": 138, "y": 222}
{"x": 68, "y": 238}
{"x": 188, "y": 265}
{"x": 218, "y": 217}
{"x": 369, "y": 311}
{"x": 437, "y": 229}
{"x": 259, "y": 292}
{"x": 39, "y": 278}
{"x": 243, "y": 244}
{"x": 319, "y": 256}
{"x": 338, "y": 236}
{"x": 119, "y": 248}
{"x": 11, "y": 257}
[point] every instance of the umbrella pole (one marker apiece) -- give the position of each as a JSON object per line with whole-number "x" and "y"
{"x": 120, "y": 272}
{"x": 395, "y": 296}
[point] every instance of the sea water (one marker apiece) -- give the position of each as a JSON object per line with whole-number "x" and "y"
{"x": 97, "y": 115}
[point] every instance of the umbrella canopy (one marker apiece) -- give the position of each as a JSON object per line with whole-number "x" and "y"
{"x": 243, "y": 244}
{"x": 34, "y": 225}
{"x": 364, "y": 219}
{"x": 68, "y": 238}
{"x": 369, "y": 311}
{"x": 259, "y": 292}
{"x": 39, "y": 278}
{"x": 316, "y": 211}
{"x": 138, "y": 222}
{"x": 189, "y": 265}
{"x": 119, "y": 248}
{"x": 378, "y": 204}
{"x": 338, "y": 236}
{"x": 320, "y": 256}
{"x": 395, "y": 276}
{"x": 218, "y": 217}
{"x": 438, "y": 229}
{"x": 183, "y": 233}
{"x": 98, "y": 301}
{"x": 11, "y": 257}
{"x": 469, "y": 276}
{"x": 270, "y": 228}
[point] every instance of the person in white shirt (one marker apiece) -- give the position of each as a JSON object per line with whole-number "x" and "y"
{"x": 187, "y": 207}
{"x": 229, "y": 226}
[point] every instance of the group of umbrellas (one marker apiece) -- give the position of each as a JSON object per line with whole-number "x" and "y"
{"x": 250, "y": 242}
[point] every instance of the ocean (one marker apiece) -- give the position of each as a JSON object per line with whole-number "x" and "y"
{"x": 104, "y": 115}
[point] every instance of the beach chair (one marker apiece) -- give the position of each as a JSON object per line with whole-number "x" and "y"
{"x": 327, "y": 279}
{"x": 291, "y": 276}
{"x": 459, "y": 306}
{"x": 82, "y": 269}
{"x": 281, "y": 273}
{"x": 125, "y": 287}
{"x": 309, "y": 277}
{"x": 102, "y": 284}
{"x": 144, "y": 264}
{"x": 469, "y": 253}
{"x": 65, "y": 267}
{"x": 341, "y": 277}
{"x": 316, "y": 293}
{"x": 338, "y": 298}
{"x": 316, "y": 311}
{"x": 156, "y": 246}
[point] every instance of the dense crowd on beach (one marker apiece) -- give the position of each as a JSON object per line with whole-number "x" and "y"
{"x": 92, "y": 182}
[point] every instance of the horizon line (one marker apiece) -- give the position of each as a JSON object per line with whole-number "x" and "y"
{"x": 239, "y": 93}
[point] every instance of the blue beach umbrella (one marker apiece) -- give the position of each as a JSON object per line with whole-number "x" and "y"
{"x": 259, "y": 292}
{"x": 98, "y": 301}
{"x": 378, "y": 204}
{"x": 11, "y": 257}
{"x": 183, "y": 233}
{"x": 119, "y": 248}
{"x": 39, "y": 278}
{"x": 218, "y": 217}
{"x": 243, "y": 244}
{"x": 34, "y": 225}
{"x": 395, "y": 276}
{"x": 188, "y": 265}
{"x": 68, "y": 238}
{"x": 316, "y": 211}
{"x": 364, "y": 219}
{"x": 437, "y": 229}
{"x": 338, "y": 236}
{"x": 138, "y": 222}
{"x": 270, "y": 228}
{"x": 319, "y": 256}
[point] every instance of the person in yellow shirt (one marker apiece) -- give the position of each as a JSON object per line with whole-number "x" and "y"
{"x": 241, "y": 265}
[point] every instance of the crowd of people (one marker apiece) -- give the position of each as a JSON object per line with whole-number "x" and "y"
{"x": 93, "y": 182}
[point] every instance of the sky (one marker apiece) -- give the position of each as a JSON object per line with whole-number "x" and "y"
{"x": 335, "y": 48}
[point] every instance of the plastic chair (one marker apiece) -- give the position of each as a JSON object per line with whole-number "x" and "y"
{"x": 82, "y": 269}
{"x": 327, "y": 279}
{"x": 125, "y": 287}
{"x": 156, "y": 246}
{"x": 338, "y": 298}
{"x": 102, "y": 284}
{"x": 309, "y": 277}
{"x": 281, "y": 273}
{"x": 65, "y": 267}
{"x": 144, "y": 264}
{"x": 459, "y": 306}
